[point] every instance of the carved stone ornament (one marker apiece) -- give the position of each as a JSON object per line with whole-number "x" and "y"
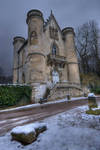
{"x": 53, "y": 33}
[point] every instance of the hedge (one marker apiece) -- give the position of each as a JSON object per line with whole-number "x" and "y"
{"x": 95, "y": 90}
{"x": 11, "y": 95}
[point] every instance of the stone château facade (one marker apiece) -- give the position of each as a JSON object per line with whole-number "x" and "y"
{"x": 47, "y": 59}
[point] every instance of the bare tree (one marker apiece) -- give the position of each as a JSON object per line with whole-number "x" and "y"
{"x": 1, "y": 71}
{"x": 87, "y": 46}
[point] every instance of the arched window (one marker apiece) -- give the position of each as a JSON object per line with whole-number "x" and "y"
{"x": 33, "y": 37}
{"x": 54, "y": 49}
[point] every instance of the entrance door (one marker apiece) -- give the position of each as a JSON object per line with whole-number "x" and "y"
{"x": 55, "y": 76}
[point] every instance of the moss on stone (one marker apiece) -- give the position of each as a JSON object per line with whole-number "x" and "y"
{"x": 93, "y": 112}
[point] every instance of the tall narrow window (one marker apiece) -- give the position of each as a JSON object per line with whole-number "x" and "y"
{"x": 54, "y": 49}
{"x": 23, "y": 78}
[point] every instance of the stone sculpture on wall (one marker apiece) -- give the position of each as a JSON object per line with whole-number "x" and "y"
{"x": 53, "y": 33}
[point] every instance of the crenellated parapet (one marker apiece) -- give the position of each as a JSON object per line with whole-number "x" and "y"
{"x": 68, "y": 30}
{"x": 33, "y": 14}
{"x": 18, "y": 39}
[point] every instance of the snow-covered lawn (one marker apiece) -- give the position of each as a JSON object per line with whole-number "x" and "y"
{"x": 71, "y": 130}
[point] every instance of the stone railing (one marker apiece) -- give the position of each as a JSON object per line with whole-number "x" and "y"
{"x": 56, "y": 59}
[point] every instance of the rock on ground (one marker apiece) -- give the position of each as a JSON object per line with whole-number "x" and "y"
{"x": 28, "y": 133}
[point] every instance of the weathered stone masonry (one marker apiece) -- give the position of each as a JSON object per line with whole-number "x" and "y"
{"x": 47, "y": 59}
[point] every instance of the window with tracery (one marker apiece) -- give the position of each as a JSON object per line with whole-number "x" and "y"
{"x": 54, "y": 49}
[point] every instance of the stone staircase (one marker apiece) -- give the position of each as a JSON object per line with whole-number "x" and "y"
{"x": 62, "y": 89}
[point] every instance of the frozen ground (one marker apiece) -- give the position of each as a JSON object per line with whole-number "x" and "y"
{"x": 71, "y": 130}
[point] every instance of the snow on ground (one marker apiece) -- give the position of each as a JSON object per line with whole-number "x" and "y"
{"x": 96, "y": 108}
{"x": 91, "y": 95}
{"x": 38, "y": 104}
{"x": 71, "y": 130}
{"x": 27, "y": 128}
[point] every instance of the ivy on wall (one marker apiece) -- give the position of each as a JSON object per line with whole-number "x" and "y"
{"x": 11, "y": 95}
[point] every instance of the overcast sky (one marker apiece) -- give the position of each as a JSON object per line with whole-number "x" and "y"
{"x": 13, "y": 19}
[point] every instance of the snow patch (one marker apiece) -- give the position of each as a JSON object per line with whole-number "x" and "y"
{"x": 96, "y": 108}
{"x": 27, "y": 128}
{"x": 91, "y": 95}
{"x": 71, "y": 130}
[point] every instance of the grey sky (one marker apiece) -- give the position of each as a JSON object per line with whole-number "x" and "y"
{"x": 13, "y": 19}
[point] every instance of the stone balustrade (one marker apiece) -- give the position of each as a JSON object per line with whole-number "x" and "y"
{"x": 56, "y": 59}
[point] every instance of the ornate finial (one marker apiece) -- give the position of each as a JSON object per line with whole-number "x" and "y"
{"x": 51, "y": 12}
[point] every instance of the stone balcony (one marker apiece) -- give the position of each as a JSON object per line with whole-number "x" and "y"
{"x": 56, "y": 59}
{"x": 68, "y": 84}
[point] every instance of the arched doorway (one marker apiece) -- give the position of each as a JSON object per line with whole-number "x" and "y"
{"x": 55, "y": 76}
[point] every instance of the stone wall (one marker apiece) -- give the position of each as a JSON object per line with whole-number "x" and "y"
{"x": 60, "y": 93}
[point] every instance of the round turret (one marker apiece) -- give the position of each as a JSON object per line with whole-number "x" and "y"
{"x": 72, "y": 62}
{"x": 68, "y": 30}
{"x": 18, "y": 39}
{"x": 35, "y": 26}
{"x": 34, "y": 13}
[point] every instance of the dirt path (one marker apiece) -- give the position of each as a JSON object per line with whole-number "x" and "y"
{"x": 10, "y": 119}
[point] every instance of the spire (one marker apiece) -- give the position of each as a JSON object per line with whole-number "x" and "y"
{"x": 51, "y": 12}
